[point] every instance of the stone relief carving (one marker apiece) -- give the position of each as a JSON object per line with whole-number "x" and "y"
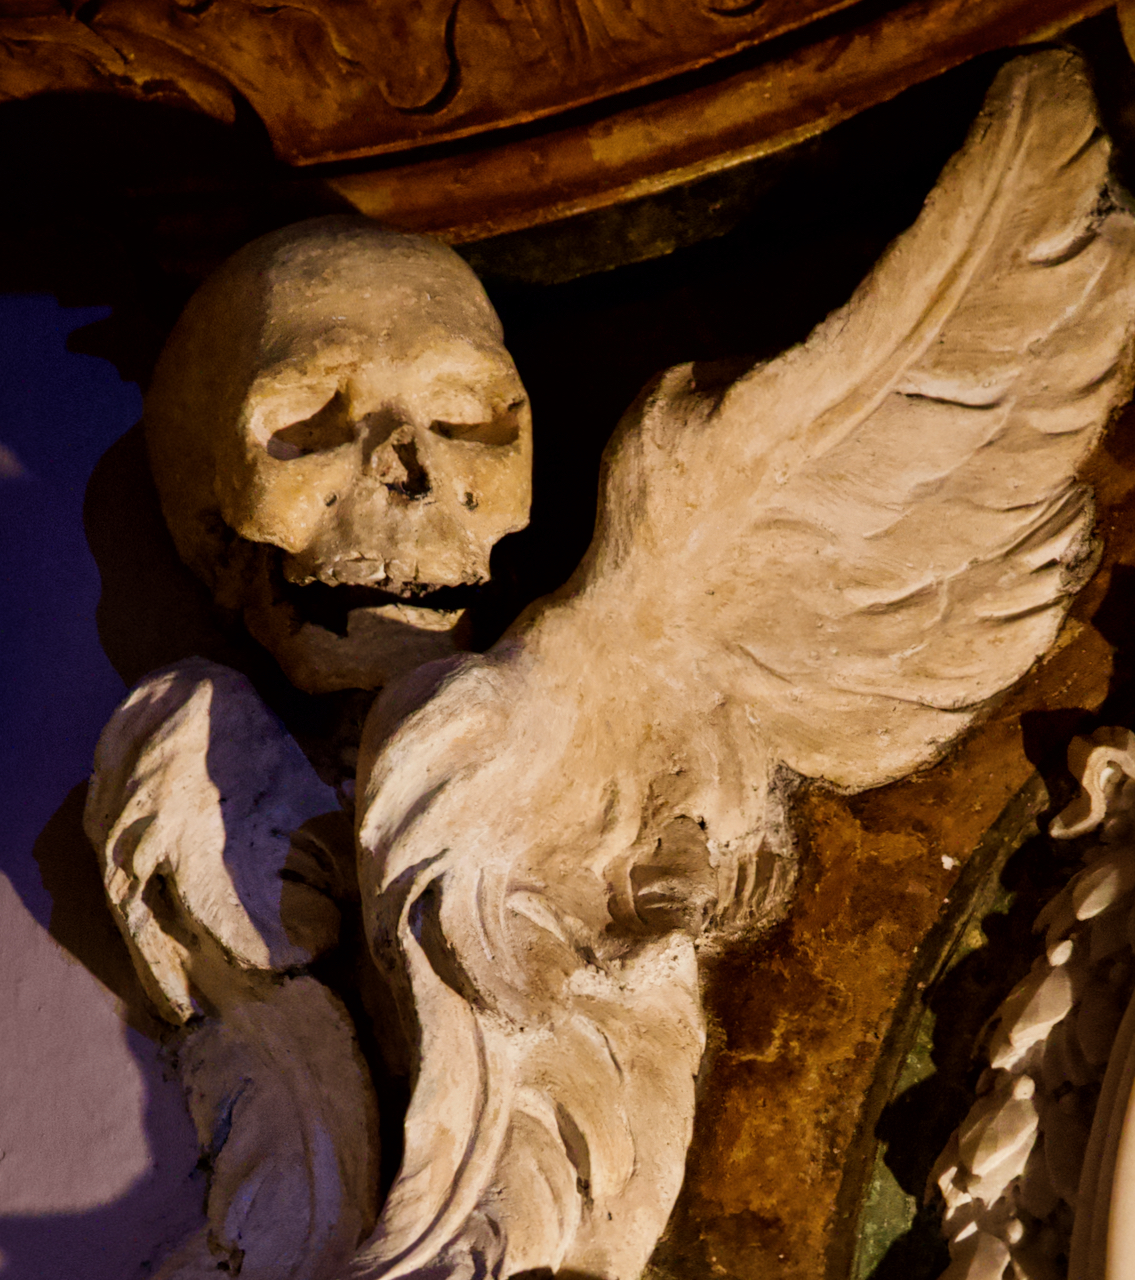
{"x": 821, "y": 568}
{"x": 225, "y": 883}
{"x": 1039, "y": 1173}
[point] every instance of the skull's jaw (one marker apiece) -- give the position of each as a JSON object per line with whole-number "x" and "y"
{"x": 381, "y": 644}
{"x": 364, "y": 646}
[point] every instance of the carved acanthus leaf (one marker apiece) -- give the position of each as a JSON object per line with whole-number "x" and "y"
{"x": 194, "y": 807}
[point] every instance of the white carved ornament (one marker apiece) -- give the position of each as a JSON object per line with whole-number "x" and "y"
{"x": 1040, "y": 1176}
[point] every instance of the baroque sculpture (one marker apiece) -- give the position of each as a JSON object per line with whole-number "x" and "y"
{"x": 823, "y": 567}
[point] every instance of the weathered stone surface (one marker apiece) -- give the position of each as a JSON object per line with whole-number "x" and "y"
{"x": 204, "y": 814}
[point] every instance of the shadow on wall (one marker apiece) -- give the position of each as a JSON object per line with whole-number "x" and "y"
{"x": 87, "y": 1112}
{"x": 82, "y": 1096}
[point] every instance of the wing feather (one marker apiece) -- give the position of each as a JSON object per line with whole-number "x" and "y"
{"x": 897, "y": 495}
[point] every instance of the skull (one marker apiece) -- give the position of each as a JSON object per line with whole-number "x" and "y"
{"x": 339, "y": 437}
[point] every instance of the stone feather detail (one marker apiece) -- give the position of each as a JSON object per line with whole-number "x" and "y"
{"x": 205, "y": 817}
{"x": 826, "y": 567}
{"x": 887, "y": 516}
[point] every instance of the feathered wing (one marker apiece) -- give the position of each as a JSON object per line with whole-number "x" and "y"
{"x": 887, "y": 516}
{"x": 882, "y": 529}
{"x": 197, "y": 789}
{"x": 553, "y": 1098}
{"x": 829, "y": 565}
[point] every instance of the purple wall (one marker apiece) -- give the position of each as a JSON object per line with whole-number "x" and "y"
{"x": 97, "y": 1154}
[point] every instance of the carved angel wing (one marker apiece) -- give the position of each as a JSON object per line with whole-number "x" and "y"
{"x": 905, "y": 506}
{"x": 196, "y": 791}
{"x": 830, "y": 565}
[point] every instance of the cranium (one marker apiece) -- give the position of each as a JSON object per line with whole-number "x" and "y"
{"x": 338, "y": 438}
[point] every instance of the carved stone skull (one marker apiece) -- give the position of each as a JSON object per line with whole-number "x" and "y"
{"x": 339, "y": 438}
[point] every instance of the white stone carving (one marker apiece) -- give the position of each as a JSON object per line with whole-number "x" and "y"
{"x": 828, "y": 565}
{"x": 205, "y": 814}
{"x": 1053, "y": 1194}
{"x": 825, "y": 568}
{"x": 336, "y": 407}
{"x": 1040, "y": 1173}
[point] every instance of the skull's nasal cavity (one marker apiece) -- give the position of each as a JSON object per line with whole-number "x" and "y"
{"x": 393, "y": 454}
{"x": 415, "y": 483}
{"x": 399, "y": 468}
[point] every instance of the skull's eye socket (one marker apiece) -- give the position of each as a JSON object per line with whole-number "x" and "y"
{"x": 502, "y": 428}
{"x": 328, "y": 428}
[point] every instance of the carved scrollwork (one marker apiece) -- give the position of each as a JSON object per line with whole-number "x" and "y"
{"x": 335, "y": 79}
{"x": 332, "y": 78}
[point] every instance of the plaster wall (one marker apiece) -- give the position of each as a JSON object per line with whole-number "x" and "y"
{"x": 84, "y": 1106}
